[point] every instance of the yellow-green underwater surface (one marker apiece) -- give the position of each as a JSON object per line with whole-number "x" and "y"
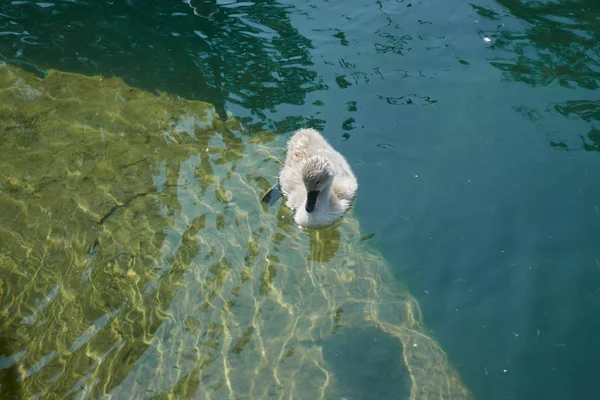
{"x": 136, "y": 261}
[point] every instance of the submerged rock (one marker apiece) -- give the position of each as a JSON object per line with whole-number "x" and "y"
{"x": 365, "y": 365}
{"x": 137, "y": 260}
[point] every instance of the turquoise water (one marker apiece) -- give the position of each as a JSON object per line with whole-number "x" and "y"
{"x": 478, "y": 159}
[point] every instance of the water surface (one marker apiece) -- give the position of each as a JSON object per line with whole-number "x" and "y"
{"x": 472, "y": 127}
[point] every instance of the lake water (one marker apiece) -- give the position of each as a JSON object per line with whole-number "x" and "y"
{"x": 474, "y": 131}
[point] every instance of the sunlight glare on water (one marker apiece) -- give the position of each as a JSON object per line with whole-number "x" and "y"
{"x": 137, "y": 262}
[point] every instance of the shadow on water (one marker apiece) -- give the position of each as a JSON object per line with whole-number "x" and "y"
{"x": 237, "y": 53}
{"x": 558, "y": 47}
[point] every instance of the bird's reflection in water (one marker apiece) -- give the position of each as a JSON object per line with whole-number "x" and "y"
{"x": 324, "y": 243}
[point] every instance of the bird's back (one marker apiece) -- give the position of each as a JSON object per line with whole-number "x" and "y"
{"x": 305, "y": 143}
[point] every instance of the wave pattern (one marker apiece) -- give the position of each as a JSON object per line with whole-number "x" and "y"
{"x": 138, "y": 262}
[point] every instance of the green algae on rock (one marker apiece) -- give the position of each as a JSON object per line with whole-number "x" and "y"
{"x": 138, "y": 261}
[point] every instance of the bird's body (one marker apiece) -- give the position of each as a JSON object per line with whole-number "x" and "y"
{"x": 316, "y": 180}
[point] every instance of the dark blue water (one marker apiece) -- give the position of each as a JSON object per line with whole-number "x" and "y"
{"x": 474, "y": 130}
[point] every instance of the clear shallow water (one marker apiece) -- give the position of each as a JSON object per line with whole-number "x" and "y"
{"x": 478, "y": 161}
{"x": 138, "y": 262}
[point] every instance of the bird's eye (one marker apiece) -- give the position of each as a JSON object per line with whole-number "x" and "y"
{"x": 318, "y": 181}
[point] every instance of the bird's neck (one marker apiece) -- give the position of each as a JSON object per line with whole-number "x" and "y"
{"x": 324, "y": 199}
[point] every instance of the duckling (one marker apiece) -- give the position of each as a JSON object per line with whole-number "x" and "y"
{"x": 316, "y": 180}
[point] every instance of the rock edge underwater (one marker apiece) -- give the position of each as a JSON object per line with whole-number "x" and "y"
{"x": 138, "y": 262}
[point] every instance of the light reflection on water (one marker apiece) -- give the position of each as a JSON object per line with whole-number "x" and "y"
{"x": 487, "y": 149}
{"x": 190, "y": 286}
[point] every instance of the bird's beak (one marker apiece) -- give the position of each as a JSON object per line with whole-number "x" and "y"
{"x": 311, "y": 200}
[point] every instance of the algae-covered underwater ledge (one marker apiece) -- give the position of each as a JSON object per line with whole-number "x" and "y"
{"x": 138, "y": 262}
